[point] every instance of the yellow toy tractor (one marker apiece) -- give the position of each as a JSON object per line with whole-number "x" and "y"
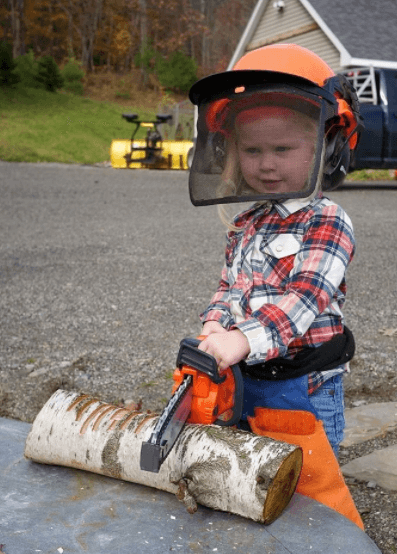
{"x": 151, "y": 152}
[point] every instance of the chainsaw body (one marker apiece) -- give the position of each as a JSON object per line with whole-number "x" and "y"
{"x": 200, "y": 395}
{"x": 216, "y": 397}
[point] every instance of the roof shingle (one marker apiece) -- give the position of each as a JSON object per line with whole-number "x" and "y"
{"x": 366, "y": 28}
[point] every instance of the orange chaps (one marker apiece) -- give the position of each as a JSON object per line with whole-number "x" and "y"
{"x": 321, "y": 477}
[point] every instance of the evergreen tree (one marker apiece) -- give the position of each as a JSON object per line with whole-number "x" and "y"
{"x": 8, "y": 74}
{"x": 178, "y": 72}
{"x": 49, "y": 74}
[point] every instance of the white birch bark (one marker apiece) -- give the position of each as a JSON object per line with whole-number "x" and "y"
{"x": 219, "y": 467}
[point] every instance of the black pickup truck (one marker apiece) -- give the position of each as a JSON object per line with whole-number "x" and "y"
{"x": 377, "y": 93}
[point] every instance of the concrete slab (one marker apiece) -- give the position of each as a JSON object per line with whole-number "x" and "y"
{"x": 369, "y": 421}
{"x": 379, "y": 466}
{"x": 52, "y": 509}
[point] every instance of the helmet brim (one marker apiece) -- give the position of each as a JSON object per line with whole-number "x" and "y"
{"x": 231, "y": 83}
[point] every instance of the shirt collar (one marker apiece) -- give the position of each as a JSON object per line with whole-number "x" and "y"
{"x": 284, "y": 209}
{"x": 291, "y": 206}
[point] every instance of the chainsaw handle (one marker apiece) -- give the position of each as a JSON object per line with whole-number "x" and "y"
{"x": 190, "y": 355}
{"x": 238, "y": 398}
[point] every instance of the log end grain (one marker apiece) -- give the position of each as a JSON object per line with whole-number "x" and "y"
{"x": 281, "y": 489}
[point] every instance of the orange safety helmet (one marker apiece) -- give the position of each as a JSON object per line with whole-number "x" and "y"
{"x": 287, "y": 58}
{"x": 294, "y": 71}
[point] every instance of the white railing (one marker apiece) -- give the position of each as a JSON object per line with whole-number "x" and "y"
{"x": 363, "y": 80}
{"x": 182, "y": 125}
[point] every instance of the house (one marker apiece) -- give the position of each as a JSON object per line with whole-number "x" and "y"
{"x": 345, "y": 33}
{"x": 355, "y": 37}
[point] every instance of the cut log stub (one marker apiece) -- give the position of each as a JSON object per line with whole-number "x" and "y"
{"x": 219, "y": 467}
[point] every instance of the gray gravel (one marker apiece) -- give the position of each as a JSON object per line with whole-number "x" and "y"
{"x": 103, "y": 272}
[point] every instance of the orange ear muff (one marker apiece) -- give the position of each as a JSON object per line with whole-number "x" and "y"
{"x": 216, "y": 115}
{"x": 349, "y": 122}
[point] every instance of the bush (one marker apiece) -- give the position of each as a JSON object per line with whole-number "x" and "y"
{"x": 8, "y": 75}
{"x": 28, "y": 70}
{"x": 73, "y": 76}
{"x": 48, "y": 74}
{"x": 178, "y": 73}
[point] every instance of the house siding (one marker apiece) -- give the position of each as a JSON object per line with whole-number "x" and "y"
{"x": 318, "y": 42}
{"x": 294, "y": 25}
{"x": 276, "y": 22}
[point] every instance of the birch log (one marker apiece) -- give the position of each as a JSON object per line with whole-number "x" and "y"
{"x": 219, "y": 467}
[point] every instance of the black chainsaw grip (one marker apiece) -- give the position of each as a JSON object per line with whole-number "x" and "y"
{"x": 190, "y": 355}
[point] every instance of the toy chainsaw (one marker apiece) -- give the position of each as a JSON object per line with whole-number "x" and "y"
{"x": 200, "y": 395}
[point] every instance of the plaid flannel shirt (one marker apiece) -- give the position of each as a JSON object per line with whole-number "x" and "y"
{"x": 283, "y": 284}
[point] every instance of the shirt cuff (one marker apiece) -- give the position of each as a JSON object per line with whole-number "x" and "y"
{"x": 220, "y": 316}
{"x": 259, "y": 338}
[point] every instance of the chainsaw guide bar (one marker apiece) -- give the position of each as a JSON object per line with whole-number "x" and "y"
{"x": 167, "y": 428}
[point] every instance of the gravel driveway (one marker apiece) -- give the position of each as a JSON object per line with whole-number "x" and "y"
{"x": 103, "y": 272}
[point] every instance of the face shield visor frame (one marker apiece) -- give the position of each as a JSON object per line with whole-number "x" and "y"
{"x": 207, "y": 175}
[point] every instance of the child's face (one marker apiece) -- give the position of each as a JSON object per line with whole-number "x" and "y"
{"x": 275, "y": 148}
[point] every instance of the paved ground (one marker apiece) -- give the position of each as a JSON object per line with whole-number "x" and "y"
{"x": 52, "y": 510}
{"x": 102, "y": 273}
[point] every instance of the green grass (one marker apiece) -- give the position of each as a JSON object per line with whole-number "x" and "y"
{"x": 40, "y": 126}
{"x": 371, "y": 175}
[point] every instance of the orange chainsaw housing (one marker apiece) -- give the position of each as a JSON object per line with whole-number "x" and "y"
{"x": 211, "y": 402}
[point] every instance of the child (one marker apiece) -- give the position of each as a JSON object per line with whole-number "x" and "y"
{"x": 276, "y": 130}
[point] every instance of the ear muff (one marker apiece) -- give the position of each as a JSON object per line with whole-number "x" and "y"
{"x": 337, "y": 160}
{"x": 350, "y": 124}
{"x": 216, "y": 114}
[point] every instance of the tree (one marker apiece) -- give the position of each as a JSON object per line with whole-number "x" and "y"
{"x": 84, "y": 17}
{"x": 8, "y": 73}
{"x": 178, "y": 72}
{"x": 16, "y": 10}
{"x": 73, "y": 75}
{"x": 27, "y": 68}
{"x": 114, "y": 31}
{"x": 47, "y": 31}
{"x": 48, "y": 74}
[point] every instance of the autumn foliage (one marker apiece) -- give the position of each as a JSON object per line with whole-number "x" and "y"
{"x": 112, "y": 33}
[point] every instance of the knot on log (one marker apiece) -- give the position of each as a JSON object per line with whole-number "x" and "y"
{"x": 183, "y": 495}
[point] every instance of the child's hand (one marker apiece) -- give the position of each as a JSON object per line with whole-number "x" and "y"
{"x": 227, "y": 348}
{"x": 212, "y": 327}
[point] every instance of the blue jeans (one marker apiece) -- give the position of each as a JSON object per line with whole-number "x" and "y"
{"x": 328, "y": 401}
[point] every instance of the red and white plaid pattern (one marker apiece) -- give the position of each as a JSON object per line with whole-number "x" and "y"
{"x": 283, "y": 282}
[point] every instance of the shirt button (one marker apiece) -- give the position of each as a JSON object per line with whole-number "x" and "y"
{"x": 279, "y": 248}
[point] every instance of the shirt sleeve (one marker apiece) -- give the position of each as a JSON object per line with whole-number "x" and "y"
{"x": 219, "y": 307}
{"x": 318, "y": 271}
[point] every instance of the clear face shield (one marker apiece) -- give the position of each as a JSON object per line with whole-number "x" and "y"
{"x": 258, "y": 146}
